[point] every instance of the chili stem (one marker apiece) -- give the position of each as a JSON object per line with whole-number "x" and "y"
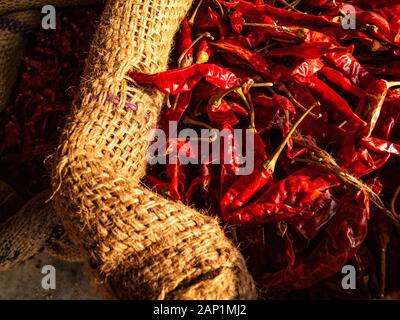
{"x": 270, "y": 164}
{"x": 382, "y": 285}
{"x": 252, "y": 113}
{"x": 290, "y": 6}
{"x": 167, "y": 102}
{"x": 187, "y": 120}
{"x": 286, "y": 91}
{"x": 221, "y": 10}
{"x": 262, "y": 85}
{"x": 393, "y": 202}
{"x": 393, "y": 84}
{"x": 191, "y": 20}
{"x": 176, "y": 101}
{"x": 216, "y": 100}
{"x": 301, "y": 32}
{"x": 201, "y": 36}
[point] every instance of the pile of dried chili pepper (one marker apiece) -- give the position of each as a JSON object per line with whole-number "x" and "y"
{"x": 49, "y": 77}
{"x": 324, "y": 106}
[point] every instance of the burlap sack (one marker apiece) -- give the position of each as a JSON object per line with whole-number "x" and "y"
{"x": 30, "y": 229}
{"x": 17, "y": 21}
{"x": 139, "y": 244}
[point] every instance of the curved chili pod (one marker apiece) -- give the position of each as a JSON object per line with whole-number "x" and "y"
{"x": 184, "y": 79}
{"x": 344, "y": 236}
{"x": 301, "y": 194}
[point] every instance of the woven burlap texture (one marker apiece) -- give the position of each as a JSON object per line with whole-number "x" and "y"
{"x": 31, "y": 228}
{"x": 139, "y": 244}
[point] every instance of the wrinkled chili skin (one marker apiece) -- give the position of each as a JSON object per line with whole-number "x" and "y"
{"x": 300, "y": 194}
{"x": 184, "y": 79}
{"x": 344, "y": 235}
{"x": 330, "y": 99}
{"x": 369, "y": 107}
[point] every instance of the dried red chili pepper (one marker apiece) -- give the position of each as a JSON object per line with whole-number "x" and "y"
{"x": 330, "y": 99}
{"x": 344, "y": 235}
{"x": 301, "y": 194}
{"x": 311, "y": 50}
{"x": 381, "y": 146}
{"x": 369, "y": 108}
{"x": 247, "y": 186}
{"x": 284, "y": 16}
{"x": 341, "y": 81}
{"x": 237, "y": 21}
{"x": 256, "y": 60}
{"x": 184, "y": 44}
{"x": 351, "y": 68}
{"x": 204, "y": 52}
{"x": 184, "y": 79}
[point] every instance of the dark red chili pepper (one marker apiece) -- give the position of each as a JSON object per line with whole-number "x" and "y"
{"x": 341, "y": 34}
{"x": 299, "y": 195}
{"x": 310, "y": 228}
{"x": 377, "y": 24}
{"x": 390, "y": 115}
{"x": 311, "y": 50}
{"x": 184, "y": 79}
{"x": 237, "y": 21}
{"x": 174, "y": 114}
{"x": 174, "y": 168}
{"x": 229, "y": 159}
{"x": 343, "y": 237}
{"x": 216, "y": 19}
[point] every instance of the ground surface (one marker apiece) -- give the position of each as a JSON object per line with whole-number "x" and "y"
{"x": 25, "y": 281}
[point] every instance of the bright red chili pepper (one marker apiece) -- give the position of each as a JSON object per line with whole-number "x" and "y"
{"x": 184, "y": 79}
{"x": 351, "y": 68}
{"x": 358, "y": 159}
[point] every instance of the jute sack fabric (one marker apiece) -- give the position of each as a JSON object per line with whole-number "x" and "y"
{"x": 17, "y": 19}
{"x": 139, "y": 245}
{"x": 34, "y": 227}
